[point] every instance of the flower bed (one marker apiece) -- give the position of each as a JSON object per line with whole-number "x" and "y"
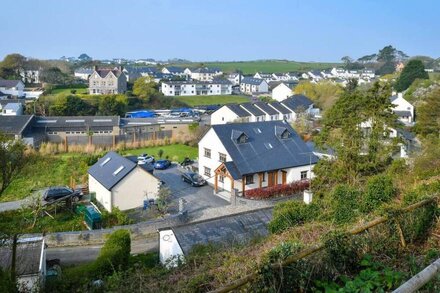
{"x": 277, "y": 190}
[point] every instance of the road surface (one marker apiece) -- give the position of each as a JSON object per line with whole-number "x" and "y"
{"x": 11, "y": 205}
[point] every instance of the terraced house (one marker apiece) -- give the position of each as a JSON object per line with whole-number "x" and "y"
{"x": 107, "y": 81}
{"x": 196, "y": 88}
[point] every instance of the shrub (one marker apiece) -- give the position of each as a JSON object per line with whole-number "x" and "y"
{"x": 344, "y": 202}
{"x": 292, "y": 213}
{"x": 115, "y": 254}
{"x": 115, "y": 218}
{"x": 379, "y": 190}
{"x": 277, "y": 190}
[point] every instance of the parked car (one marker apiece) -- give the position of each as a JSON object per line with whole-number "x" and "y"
{"x": 56, "y": 192}
{"x": 162, "y": 164}
{"x": 146, "y": 160}
{"x": 193, "y": 178}
{"x": 142, "y": 156}
{"x": 187, "y": 161}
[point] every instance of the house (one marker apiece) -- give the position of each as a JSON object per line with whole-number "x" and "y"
{"x": 244, "y": 156}
{"x": 403, "y": 109}
{"x": 234, "y": 78}
{"x": 176, "y": 242}
{"x": 134, "y": 72}
{"x": 196, "y": 88}
{"x": 119, "y": 182}
{"x": 315, "y": 75}
{"x": 203, "y": 73}
{"x": 31, "y": 76}
{"x": 230, "y": 113}
{"x": 29, "y": 262}
{"x": 270, "y": 113}
{"x": 298, "y": 104}
{"x": 268, "y": 77}
{"x": 256, "y": 113}
{"x": 12, "y": 109}
{"x": 285, "y": 113}
{"x": 250, "y": 85}
{"x": 174, "y": 70}
{"x": 83, "y": 73}
{"x": 281, "y": 92}
{"x": 18, "y": 127}
{"x": 12, "y": 87}
{"x": 107, "y": 81}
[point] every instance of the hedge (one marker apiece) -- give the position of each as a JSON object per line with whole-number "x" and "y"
{"x": 277, "y": 190}
{"x": 115, "y": 254}
{"x": 292, "y": 213}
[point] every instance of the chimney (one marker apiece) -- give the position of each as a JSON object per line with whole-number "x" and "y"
{"x": 120, "y": 68}
{"x": 399, "y": 95}
{"x": 95, "y": 68}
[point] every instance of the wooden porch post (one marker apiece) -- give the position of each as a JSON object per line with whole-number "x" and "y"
{"x": 216, "y": 183}
{"x": 260, "y": 177}
{"x": 276, "y": 177}
{"x": 232, "y": 183}
{"x": 243, "y": 183}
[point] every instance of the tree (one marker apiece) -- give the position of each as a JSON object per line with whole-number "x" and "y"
{"x": 414, "y": 69}
{"x": 347, "y": 60}
{"x": 145, "y": 88}
{"x": 428, "y": 115}
{"x": 160, "y": 153}
{"x": 360, "y": 151}
{"x": 84, "y": 57}
{"x": 70, "y": 105}
{"x": 53, "y": 75}
{"x": 11, "y": 66}
{"x": 113, "y": 105}
{"x": 12, "y": 159}
{"x": 163, "y": 195}
{"x": 323, "y": 93}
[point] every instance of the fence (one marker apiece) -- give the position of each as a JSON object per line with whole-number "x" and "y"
{"x": 307, "y": 252}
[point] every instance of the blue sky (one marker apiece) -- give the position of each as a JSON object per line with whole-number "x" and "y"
{"x": 205, "y": 30}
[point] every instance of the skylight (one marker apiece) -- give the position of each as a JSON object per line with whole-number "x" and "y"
{"x": 257, "y": 130}
{"x": 75, "y": 120}
{"x": 105, "y": 161}
{"x": 102, "y": 120}
{"x": 268, "y": 145}
{"x": 118, "y": 170}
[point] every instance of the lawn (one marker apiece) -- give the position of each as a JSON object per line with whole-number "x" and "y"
{"x": 251, "y": 67}
{"x": 212, "y": 100}
{"x": 45, "y": 171}
{"x": 175, "y": 152}
{"x": 79, "y": 91}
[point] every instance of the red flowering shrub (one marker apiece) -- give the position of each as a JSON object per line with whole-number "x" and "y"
{"x": 277, "y": 190}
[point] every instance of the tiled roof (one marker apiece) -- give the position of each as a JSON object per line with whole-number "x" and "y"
{"x": 251, "y": 80}
{"x": 297, "y": 101}
{"x": 14, "y": 124}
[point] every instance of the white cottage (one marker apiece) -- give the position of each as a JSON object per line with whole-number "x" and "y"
{"x": 281, "y": 92}
{"x": 403, "y": 109}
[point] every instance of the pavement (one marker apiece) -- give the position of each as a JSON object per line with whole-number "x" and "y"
{"x": 11, "y": 205}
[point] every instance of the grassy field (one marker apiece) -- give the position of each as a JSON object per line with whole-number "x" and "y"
{"x": 175, "y": 152}
{"x": 212, "y": 100}
{"x": 79, "y": 91}
{"x": 250, "y": 67}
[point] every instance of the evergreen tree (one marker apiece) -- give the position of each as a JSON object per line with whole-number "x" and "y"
{"x": 413, "y": 70}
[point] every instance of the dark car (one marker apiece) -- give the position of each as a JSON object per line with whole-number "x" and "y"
{"x": 187, "y": 161}
{"x": 162, "y": 164}
{"x": 193, "y": 178}
{"x": 57, "y": 192}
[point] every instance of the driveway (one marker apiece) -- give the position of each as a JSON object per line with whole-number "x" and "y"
{"x": 197, "y": 198}
{"x": 11, "y": 205}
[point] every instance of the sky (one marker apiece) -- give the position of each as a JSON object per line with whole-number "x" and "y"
{"x": 223, "y": 30}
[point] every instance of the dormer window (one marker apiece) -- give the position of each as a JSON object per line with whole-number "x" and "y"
{"x": 242, "y": 138}
{"x": 239, "y": 136}
{"x": 285, "y": 134}
{"x": 282, "y": 132}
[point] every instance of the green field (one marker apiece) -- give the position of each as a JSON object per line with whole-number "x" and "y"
{"x": 175, "y": 152}
{"x": 79, "y": 91}
{"x": 251, "y": 67}
{"x": 212, "y": 100}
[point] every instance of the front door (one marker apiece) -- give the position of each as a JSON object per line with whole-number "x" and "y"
{"x": 271, "y": 179}
{"x": 284, "y": 175}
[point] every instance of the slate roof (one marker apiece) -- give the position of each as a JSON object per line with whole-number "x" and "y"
{"x": 4, "y": 102}
{"x": 77, "y": 121}
{"x": 224, "y": 231}
{"x": 104, "y": 72}
{"x": 9, "y": 83}
{"x": 266, "y": 108}
{"x": 141, "y": 69}
{"x": 403, "y": 113}
{"x": 393, "y": 98}
{"x": 175, "y": 69}
{"x": 206, "y": 70}
{"x": 27, "y": 260}
{"x": 251, "y": 80}
{"x": 296, "y": 101}
{"x": 263, "y": 150}
{"x": 181, "y": 82}
{"x": 252, "y": 109}
{"x": 280, "y": 108}
{"x": 13, "y": 106}
{"x": 84, "y": 71}
{"x": 240, "y": 112}
{"x": 15, "y": 124}
{"x": 104, "y": 171}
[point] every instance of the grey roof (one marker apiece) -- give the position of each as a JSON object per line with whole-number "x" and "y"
{"x": 129, "y": 122}
{"x": 9, "y": 83}
{"x": 175, "y": 69}
{"x": 105, "y": 170}
{"x": 252, "y": 109}
{"x": 393, "y": 98}
{"x": 206, "y": 70}
{"x": 280, "y": 108}
{"x": 405, "y": 134}
{"x": 2, "y": 94}
{"x": 296, "y": 101}
{"x": 4, "y": 102}
{"x": 266, "y": 108}
{"x": 263, "y": 150}
{"x": 141, "y": 69}
{"x": 14, "y": 124}
{"x": 13, "y": 106}
{"x": 251, "y": 80}
{"x": 240, "y": 112}
{"x": 215, "y": 81}
{"x": 229, "y": 230}
{"x": 28, "y": 256}
{"x": 84, "y": 70}
{"x": 103, "y": 72}
{"x": 77, "y": 121}
{"x": 327, "y": 151}
{"x": 403, "y": 113}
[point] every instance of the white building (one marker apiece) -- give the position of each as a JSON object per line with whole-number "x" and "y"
{"x": 245, "y": 156}
{"x": 119, "y": 182}
{"x": 83, "y": 73}
{"x": 281, "y": 92}
{"x": 250, "y": 85}
{"x": 12, "y": 87}
{"x": 234, "y": 78}
{"x": 196, "y": 88}
{"x": 30, "y": 75}
{"x": 268, "y": 77}
{"x": 12, "y": 109}
{"x": 403, "y": 109}
{"x": 203, "y": 73}
{"x": 174, "y": 70}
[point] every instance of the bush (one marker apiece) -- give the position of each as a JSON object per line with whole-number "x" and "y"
{"x": 344, "y": 202}
{"x": 379, "y": 190}
{"x": 115, "y": 218}
{"x": 115, "y": 254}
{"x": 277, "y": 190}
{"x": 292, "y": 213}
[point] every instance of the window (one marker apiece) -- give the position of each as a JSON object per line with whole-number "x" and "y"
{"x": 304, "y": 175}
{"x": 263, "y": 177}
{"x": 207, "y": 153}
{"x": 221, "y": 157}
{"x": 117, "y": 171}
{"x": 221, "y": 179}
{"x": 249, "y": 179}
{"x": 207, "y": 171}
